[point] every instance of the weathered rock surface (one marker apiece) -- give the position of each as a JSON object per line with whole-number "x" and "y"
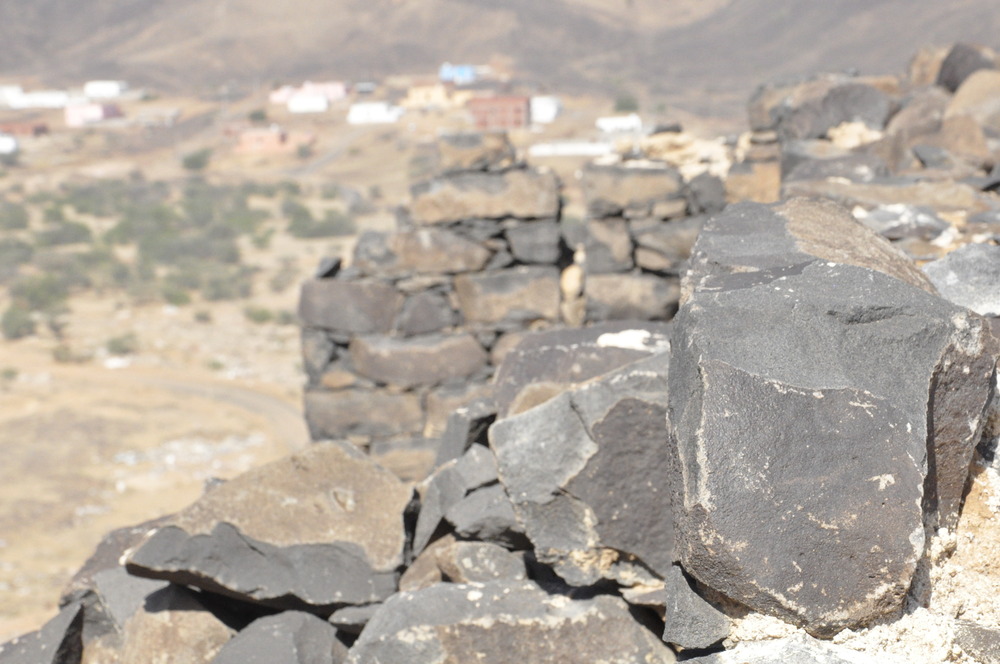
{"x": 413, "y": 361}
{"x": 981, "y": 643}
{"x": 799, "y": 649}
{"x": 648, "y": 183}
{"x": 800, "y": 379}
{"x": 361, "y": 413}
{"x": 173, "y": 625}
{"x": 519, "y": 295}
{"x": 969, "y": 277}
{"x": 290, "y": 637}
{"x": 475, "y": 152}
{"x": 688, "y": 620}
{"x": 631, "y": 296}
{"x": 609, "y": 246}
{"x": 425, "y": 312}
{"x": 454, "y": 561}
{"x": 504, "y": 622}
{"x": 486, "y": 514}
{"x": 356, "y": 307}
{"x": 961, "y": 62}
{"x": 448, "y": 486}
{"x": 524, "y": 194}
{"x": 59, "y": 641}
{"x": 585, "y": 472}
{"x": 535, "y": 241}
{"x": 466, "y": 426}
{"x": 545, "y": 364}
{"x": 418, "y": 251}
{"x": 664, "y": 247}
{"x": 317, "y": 530}
{"x": 898, "y": 221}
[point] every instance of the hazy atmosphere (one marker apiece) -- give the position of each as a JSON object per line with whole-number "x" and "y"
{"x": 232, "y": 228}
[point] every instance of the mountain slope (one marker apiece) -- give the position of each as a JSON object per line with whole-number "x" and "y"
{"x": 709, "y": 53}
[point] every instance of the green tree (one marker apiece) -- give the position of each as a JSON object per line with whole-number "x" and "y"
{"x": 196, "y": 161}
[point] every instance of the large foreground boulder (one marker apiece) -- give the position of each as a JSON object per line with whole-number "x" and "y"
{"x": 823, "y": 393}
{"x": 315, "y": 531}
{"x": 500, "y": 622}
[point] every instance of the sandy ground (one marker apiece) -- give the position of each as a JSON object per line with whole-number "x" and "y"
{"x": 111, "y": 442}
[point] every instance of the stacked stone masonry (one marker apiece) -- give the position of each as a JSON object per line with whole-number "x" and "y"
{"x": 420, "y": 317}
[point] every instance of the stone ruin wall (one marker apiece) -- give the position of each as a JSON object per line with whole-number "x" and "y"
{"x": 414, "y": 325}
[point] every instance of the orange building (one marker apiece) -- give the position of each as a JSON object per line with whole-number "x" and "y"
{"x": 492, "y": 113}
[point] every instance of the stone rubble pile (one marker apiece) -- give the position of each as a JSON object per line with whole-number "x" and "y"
{"x": 792, "y": 446}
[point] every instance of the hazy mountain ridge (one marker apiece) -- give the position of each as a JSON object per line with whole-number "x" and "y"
{"x": 569, "y": 44}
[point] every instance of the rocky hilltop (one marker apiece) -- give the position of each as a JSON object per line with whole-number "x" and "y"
{"x": 750, "y": 419}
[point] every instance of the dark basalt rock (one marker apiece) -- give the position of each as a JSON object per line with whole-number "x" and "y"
{"x": 535, "y": 241}
{"x": 355, "y": 307}
{"x": 290, "y": 637}
{"x": 418, "y": 251}
{"x": 317, "y": 530}
{"x": 585, "y": 472}
{"x": 448, "y": 486}
{"x": 631, "y": 296}
{"x": 519, "y": 193}
{"x": 969, "y": 277}
{"x": 354, "y": 412}
{"x": 453, "y": 561}
{"x": 59, "y": 641}
{"x": 689, "y": 621}
{"x": 632, "y": 188}
{"x": 804, "y": 359}
{"x": 544, "y": 364}
{"x": 960, "y": 63}
{"x": 414, "y": 361}
{"x": 500, "y": 622}
{"x": 518, "y": 295}
{"x": 425, "y": 312}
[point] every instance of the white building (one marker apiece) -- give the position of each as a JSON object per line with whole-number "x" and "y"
{"x": 38, "y": 99}
{"x": 81, "y": 115}
{"x": 545, "y": 109}
{"x": 8, "y": 145}
{"x": 8, "y": 92}
{"x": 104, "y": 89}
{"x": 308, "y": 102}
{"x": 373, "y": 112}
{"x": 620, "y": 124}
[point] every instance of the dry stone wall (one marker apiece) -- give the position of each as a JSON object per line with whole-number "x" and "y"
{"x": 416, "y": 322}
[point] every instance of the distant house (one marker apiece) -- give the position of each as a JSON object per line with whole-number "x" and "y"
{"x": 8, "y": 92}
{"x": 545, "y": 109}
{"x": 427, "y": 96}
{"x": 373, "y": 112}
{"x": 26, "y": 128}
{"x": 271, "y": 140}
{"x": 8, "y": 145}
{"x": 308, "y": 102}
{"x": 620, "y": 124}
{"x": 492, "y": 113}
{"x": 81, "y": 115}
{"x": 308, "y": 96}
{"x": 104, "y": 89}
{"x": 457, "y": 74}
{"x": 38, "y": 99}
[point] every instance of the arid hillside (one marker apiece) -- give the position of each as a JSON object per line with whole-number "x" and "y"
{"x": 704, "y": 56}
